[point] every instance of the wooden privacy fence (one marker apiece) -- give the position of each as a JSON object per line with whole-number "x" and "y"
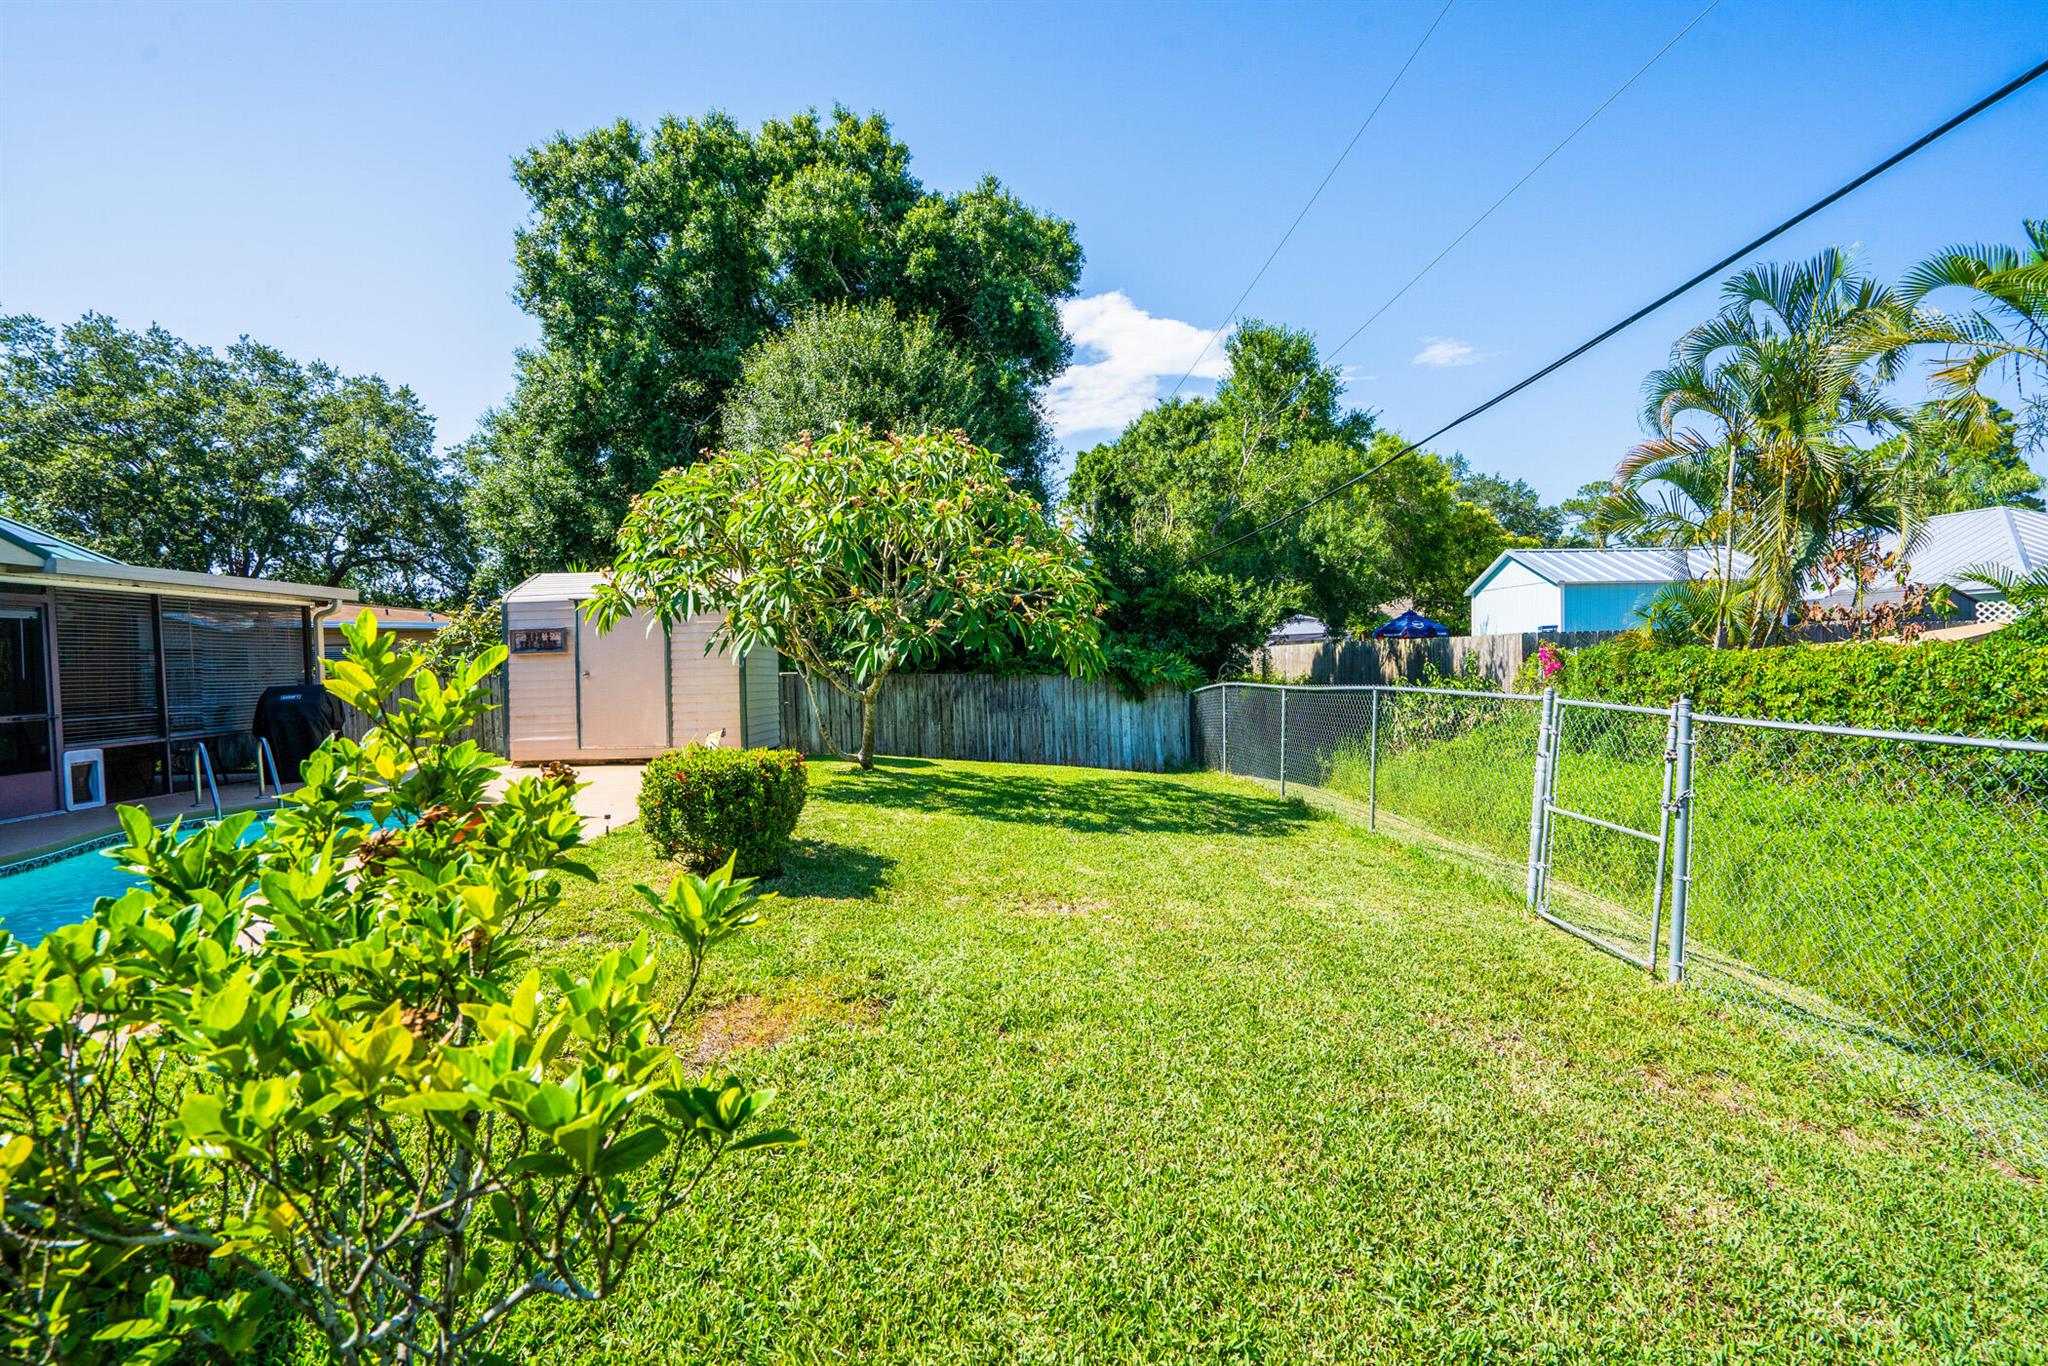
{"x": 1026, "y": 720}
{"x": 491, "y": 731}
{"x": 1402, "y": 661}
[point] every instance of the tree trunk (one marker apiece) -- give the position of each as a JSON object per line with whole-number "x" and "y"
{"x": 818, "y": 715}
{"x": 1728, "y": 564}
{"x": 867, "y": 728}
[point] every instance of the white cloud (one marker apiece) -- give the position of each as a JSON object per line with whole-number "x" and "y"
{"x": 1126, "y": 360}
{"x": 1449, "y": 351}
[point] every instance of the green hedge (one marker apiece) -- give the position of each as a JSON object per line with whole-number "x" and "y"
{"x": 704, "y": 805}
{"x": 1995, "y": 686}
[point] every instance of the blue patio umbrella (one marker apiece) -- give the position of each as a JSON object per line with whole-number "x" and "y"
{"x": 1411, "y": 626}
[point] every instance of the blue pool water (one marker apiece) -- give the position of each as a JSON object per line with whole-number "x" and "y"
{"x": 37, "y": 900}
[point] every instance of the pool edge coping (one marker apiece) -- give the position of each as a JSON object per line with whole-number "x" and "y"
{"x": 92, "y": 843}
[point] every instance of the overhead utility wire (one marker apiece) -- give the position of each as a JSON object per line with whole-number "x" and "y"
{"x": 1619, "y": 91}
{"x": 1527, "y": 175}
{"x": 1327, "y": 177}
{"x": 1919, "y": 143}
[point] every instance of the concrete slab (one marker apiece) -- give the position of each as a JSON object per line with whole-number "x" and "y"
{"x": 610, "y": 797}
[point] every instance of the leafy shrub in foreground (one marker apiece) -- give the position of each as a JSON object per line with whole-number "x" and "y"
{"x": 314, "y": 1075}
{"x": 711, "y": 806}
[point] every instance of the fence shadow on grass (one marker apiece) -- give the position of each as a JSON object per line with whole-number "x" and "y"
{"x": 1109, "y": 804}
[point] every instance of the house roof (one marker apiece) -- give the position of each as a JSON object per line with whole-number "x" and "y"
{"x": 1298, "y": 629}
{"x": 1613, "y": 564}
{"x": 32, "y": 554}
{"x": 1949, "y": 546}
{"x": 47, "y": 545}
{"x": 556, "y": 588}
{"x": 391, "y": 618}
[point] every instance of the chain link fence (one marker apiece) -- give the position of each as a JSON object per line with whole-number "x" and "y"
{"x": 1880, "y": 894}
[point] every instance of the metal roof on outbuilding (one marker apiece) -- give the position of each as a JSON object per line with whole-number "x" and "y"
{"x": 556, "y": 588}
{"x": 1615, "y": 564}
{"x": 1945, "y": 548}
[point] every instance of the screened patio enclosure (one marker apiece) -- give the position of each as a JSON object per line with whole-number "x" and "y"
{"x": 112, "y": 674}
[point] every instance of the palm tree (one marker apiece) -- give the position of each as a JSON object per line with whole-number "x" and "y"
{"x": 2003, "y": 333}
{"x": 1777, "y": 417}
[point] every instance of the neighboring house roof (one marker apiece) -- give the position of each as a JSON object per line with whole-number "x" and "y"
{"x": 391, "y": 618}
{"x": 1298, "y": 630}
{"x": 1947, "y": 547}
{"x": 30, "y": 553}
{"x": 556, "y": 588}
{"x": 1614, "y": 564}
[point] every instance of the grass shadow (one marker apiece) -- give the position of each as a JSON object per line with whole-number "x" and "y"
{"x": 829, "y": 871}
{"x": 1138, "y": 803}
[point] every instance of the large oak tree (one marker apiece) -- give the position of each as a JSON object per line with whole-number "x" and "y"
{"x": 243, "y": 461}
{"x": 657, "y": 259}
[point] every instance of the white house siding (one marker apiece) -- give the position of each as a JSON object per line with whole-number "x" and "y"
{"x": 704, "y": 689}
{"x": 761, "y": 675}
{"x": 1516, "y": 600}
{"x": 541, "y": 704}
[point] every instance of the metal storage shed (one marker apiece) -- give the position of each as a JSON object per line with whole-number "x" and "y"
{"x": 1526, "y": 590}
{"x": 631, "y": 692}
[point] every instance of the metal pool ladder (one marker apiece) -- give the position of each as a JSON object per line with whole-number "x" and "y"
{"x": 202, "y": 763}
{"x": 265, "y": 755}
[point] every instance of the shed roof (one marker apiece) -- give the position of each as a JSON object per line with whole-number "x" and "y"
{"x": 1613, "y": 564}
{"x": 556, "y": 588}
{"x": 1949, "y": 546}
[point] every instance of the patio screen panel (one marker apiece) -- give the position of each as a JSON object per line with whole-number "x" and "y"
{"x": 220, "y": 656}
{"x": 106, "y": 667}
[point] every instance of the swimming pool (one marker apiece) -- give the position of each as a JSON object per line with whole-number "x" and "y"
{"x": 62, "y": 889}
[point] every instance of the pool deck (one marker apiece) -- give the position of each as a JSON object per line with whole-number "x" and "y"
{"x": 610, "y": 799}
{"x": 39, "y": 835}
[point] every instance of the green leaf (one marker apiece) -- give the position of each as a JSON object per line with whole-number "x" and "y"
{"x": 633, "y": 1151}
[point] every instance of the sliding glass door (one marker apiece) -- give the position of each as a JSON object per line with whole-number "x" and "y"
{"x": 28, "y": 781}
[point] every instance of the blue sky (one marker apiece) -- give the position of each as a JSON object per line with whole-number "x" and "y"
{"x": 333, "y": 179}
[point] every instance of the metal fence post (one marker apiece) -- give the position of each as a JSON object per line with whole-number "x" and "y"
{"x": 1681, "y": 854}
{"x": 1223, "y": 704}
{"x": 1283, "y": 742}
{"x": 1539, "y": 794}
{"x": 1372, "y": 768}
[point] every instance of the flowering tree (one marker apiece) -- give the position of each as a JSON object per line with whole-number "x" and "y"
{"x": 857, "y": 556}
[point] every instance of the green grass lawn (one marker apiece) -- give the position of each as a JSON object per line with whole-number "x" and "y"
{"x": 1909, "y": 894}
{"x": 1107, "y": 1067}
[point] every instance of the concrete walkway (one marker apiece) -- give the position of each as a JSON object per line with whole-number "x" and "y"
{"x": 610, "y": 797}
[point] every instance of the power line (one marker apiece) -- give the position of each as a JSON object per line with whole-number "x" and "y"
{"x": 1919, "y": 143}
{"x": 1323, "y": 185}
{"x": 1527, "y": 175}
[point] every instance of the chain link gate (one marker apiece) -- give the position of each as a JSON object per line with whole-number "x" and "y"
{"x": 1879, "y": 893}
{"x": 1609, "y": 804}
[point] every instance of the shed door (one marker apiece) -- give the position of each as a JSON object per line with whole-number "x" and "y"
{"x": 623, "y": 690}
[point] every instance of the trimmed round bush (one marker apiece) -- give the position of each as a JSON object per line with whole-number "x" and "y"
{"x": 704, "y": 805}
